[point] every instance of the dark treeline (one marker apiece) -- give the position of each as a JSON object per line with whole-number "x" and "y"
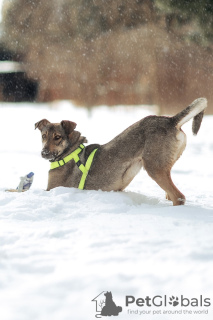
{"x": 114, "y": 51}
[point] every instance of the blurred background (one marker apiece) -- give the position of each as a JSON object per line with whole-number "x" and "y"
{"x": 111, "y": 52}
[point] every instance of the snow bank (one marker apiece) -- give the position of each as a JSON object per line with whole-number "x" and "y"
{"x": 60, "y": 249}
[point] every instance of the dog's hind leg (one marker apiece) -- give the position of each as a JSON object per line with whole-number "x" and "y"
{"x": 163, "y": 179}
{"x": 161, "y": 151}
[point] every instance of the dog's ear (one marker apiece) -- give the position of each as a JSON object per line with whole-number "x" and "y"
{"x": 68, "y": 126}
{"x": 40, "y": 124}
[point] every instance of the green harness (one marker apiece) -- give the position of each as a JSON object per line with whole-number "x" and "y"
{"x": 75, "y": 156}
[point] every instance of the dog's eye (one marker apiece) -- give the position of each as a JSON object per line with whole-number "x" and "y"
{"x": 57, "y": 137}
{"x": 43, "y": 136}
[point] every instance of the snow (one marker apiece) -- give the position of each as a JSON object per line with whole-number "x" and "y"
{"x": 60, "y": 249}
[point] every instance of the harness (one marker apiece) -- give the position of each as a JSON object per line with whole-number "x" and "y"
{"x": 75, "y": 156}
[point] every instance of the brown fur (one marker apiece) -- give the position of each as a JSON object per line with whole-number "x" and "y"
{"x": 154, "y": 143}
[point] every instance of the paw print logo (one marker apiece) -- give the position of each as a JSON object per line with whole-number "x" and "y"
{"x": 174, "y": 301}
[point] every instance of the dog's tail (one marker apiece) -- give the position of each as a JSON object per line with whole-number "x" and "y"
{"x": 195, "y": 111}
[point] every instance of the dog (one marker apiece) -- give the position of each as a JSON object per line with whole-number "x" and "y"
{"x": 154, "y": 143}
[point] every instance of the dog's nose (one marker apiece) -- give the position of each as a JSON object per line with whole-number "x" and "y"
{"x": 44, "y": 152}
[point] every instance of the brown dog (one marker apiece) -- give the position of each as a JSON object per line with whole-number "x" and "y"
{"x": 155, "y": 143}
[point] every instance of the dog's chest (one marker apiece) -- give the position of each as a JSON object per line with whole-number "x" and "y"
{"x": 67, "y": 176}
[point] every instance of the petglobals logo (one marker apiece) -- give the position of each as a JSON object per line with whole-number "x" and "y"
{"x": 164, "y": 301}
{"x": 151, "y": 305}
{"x": 105, "y": 306}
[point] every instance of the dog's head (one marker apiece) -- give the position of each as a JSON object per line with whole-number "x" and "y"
{"x": 56, "y": 137}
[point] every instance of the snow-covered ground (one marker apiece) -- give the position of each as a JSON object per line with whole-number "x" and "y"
{"x": 60, "y": 249}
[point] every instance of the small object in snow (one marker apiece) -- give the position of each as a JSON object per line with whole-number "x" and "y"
{"x": 25, "y": 183}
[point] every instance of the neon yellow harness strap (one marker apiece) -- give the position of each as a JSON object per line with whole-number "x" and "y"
{"x": 85, "y": 169}
{"x": 75, "y": 156}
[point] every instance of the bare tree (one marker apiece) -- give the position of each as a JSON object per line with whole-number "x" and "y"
{"x": 102, "y": 303}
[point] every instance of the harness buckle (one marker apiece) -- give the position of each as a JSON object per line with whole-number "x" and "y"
{"x": 60, "y": 165}
{"x": 78, "y": 163}
{"x": 81, "y": 147}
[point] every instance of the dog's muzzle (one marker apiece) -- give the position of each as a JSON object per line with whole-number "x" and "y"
{"x": 46, "y": 154}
